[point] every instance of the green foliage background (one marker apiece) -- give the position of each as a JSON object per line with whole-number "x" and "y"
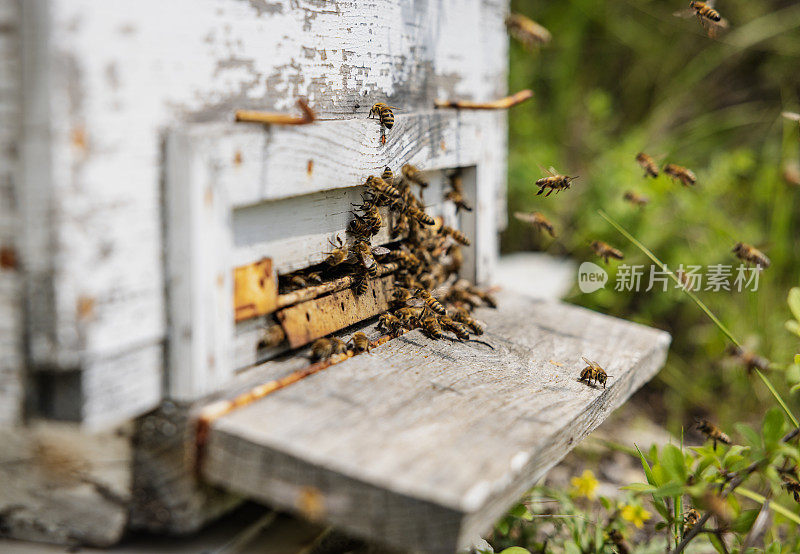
{"x": 621, "y": 77}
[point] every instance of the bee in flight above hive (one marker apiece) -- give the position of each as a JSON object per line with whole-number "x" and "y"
{"x": 751, "y": 255}
{"x": 648, "y": 164}
{"x": 682, "y": 174}
{"x": 538, "y": 221}
{"x": 709, "y": 18}
{"x": 593, "y": 373}
{"x": 636, "y": 199}
{"x": 527, "y": 31}
{"x": 554, "y": 181}
{"x": 605, "y": 250}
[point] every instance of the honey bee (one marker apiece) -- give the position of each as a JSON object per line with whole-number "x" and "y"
{"x": 372, "y": 218}
{"x": 409, "y": 317}
{"x": 462, "y": 315}
{"x": 538, "y": 221}
{"x": 618, "y": 539}
{"x": 390, "y": 324}
{"x": 360, "y": 343}
{"x": 458, "y": 329}
{"x": 485, "y": 296}
{"x": 420, "y": 215}
{"x": 414, "y": 175}
{"x": 401, "y": 295}
{"x": 314, "y": 278}
{"x": 593, "y": 372}
{"x": 382, "y": 187}
{"x": 401, "y": 226}
{"x": 387, "y": 176}
{"x": 690, "y": 519}
{"x": 636, "y": 199}
{"x": 298, "y": 281}
{"x": 748, "y": 358}
{"x": 406, "y": 259}
{"x": 339, "y": 254}
{"x": 360, "y": 228}
{"x": 712, "y": 432}
{"x": 430, "y": 301}
{"x": 272, "y": 336}
{"x": 456, "y": 259}
{"x": 792, "y": 486}
{"x": 648, "y": 164}
{"x": 527, "y": 31}
{"x": 366, "y": 255}
{"x": 554, "y": 181}
{"x": 361, "y": 282}
{"x": 708, "y": 17}
{"x": 384, "y": 114}
{"x": 430, "y": 325}
{"x": 751, "y": 255}
{"x": 605, "y": 250}
{"x": 324, "y": 348}
{"x": 682, "y": 174}
{"x": 456, "y": 194}
{"x": 457, "y": 235}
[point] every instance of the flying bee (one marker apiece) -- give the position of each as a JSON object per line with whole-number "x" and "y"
{"x": 339, "y": 254}
{"x": 619, "y": 541}
{"x": 648, "y": 164}
{"x": 456, "y": 259}
{"x": 462, "y": 315}
{"x": 751, "y": 255}
{"x": 554, "y": 181}
{"x": 708, "y": 17}
{"x": 538, "y": 221}
{"x": 682, "y": 174}
{"x": 712, "y": 432}
{"x": 384, "y": 114}
{"x": 458, "y": 329}
{"x": 748, "y": 358}
{"x": 593, "y": 372}
{"x": 605, "y": 250}
{"x": 430, "y": 325}
{"x": 390, "y": 324}
{"x": 690, "y": 519}
{"x": 382, "y": 187}
{"x": 420, "y": 215}
{"x": 457, "y": 235}
{"x": 430, "y": 301}
{"x": 792, "y": 486}
{"x": 636, "y": 199}
{"x": 414, "y": 175}
{"x": 360, "y": 343}
{"x": 527, "y": 31}
{"x": 401, "y": 295}
{"x": 456, "y": 194}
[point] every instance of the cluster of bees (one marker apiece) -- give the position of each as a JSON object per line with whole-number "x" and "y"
{"x": 427, "y": 255}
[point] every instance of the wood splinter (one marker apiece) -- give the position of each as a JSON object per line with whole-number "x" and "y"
{"x": 268, "y": 118}
{"x": 502, "y": 104}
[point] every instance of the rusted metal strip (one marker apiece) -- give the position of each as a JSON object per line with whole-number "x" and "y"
{"x": 268, "y": 118}
{"x": 501, "y": 104}
{"x": 310, "y": 320}
{"x": 255, "y": 290}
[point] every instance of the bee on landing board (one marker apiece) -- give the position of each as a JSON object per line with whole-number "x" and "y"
{"x": 709, "y": 18}
{"x": 360, "y": 343}
{"x": 430, "y": 301}
{"x": 682, "y": 174}
{"x": 390, "y": 324}
{"x": 605, "y": 250}
{"x": 554, "y": 181}
{"x": 527, "y": 31}
{"x": 462, "y": 315}
{"x": 712, "y": 432}
{"x": 384, "y": 114}
{"x": 648, "y": 164}
{"x": 751, "y": 255}
{"x": 324, "y": 348}
{"x": 593, "y": 372}
{"x": 538, "y": 221}
{"x": 636, "y": 199}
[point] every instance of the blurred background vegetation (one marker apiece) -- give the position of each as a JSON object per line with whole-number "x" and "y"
{"x": 621, "y": 77}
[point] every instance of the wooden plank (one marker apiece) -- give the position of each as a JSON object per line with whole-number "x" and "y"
{"x": 413, "y": 445}
{"x": 11, "y": 286}
{"x": 317, "y": 318}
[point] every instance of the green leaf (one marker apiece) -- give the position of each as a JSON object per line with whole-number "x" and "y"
{"x": 797, "y": 359}
{"x": 670, "y": 489}
{"x": 515, "y": 550}
{"x": 744, "y": 521}
{"x": 502, "y": 527}
{"x": 794, "y": 302}
{"x": 772, "y": 427}
{"x": 793, "y": 327}
{"x": 715, "y": 542}
{"x": 750, "y": 435}
{"x": 673, "y": 461}
{"x": 648, "y": 472}
{"x": 639, "y": 487}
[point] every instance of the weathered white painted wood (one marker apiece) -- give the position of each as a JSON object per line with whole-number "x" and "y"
{"x": 424, "y": 444}
{"x": 11, "y": 319}
{"x": 102, "y": 83}
{"x": 60, "y": 484}
{"x": 236, "y": 195}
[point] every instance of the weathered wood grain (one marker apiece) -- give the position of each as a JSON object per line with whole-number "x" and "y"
{"x": 11, "y": 286}
{"x": 59, "y": 484}
{"x": 423, "y": 444}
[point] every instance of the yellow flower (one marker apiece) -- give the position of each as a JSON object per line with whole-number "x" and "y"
{"x": 584, "y": 485}
{"x": 635, "y": 514}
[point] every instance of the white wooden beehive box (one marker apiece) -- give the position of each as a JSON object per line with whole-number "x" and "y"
{"x": 129, "y": 198}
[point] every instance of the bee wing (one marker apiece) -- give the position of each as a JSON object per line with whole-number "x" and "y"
{"x": 686, "y": 13}
{"x": 588, "y": 362}
{"x": 714, "y": 28}
{"x": 550, "y": 171}
{"x": 380, "y": 251}
{"x": 791, "y": 116}
{"x": 527, "y": 218}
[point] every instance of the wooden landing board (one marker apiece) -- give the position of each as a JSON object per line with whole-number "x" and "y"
{"x": 424, "y": 444}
